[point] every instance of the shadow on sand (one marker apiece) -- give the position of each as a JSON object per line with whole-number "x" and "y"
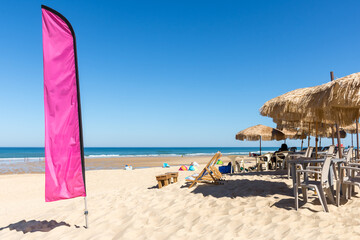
{"x": 243, "y": 188}
{"x": 262, "y": 188}
{"x": 35, "y": 226}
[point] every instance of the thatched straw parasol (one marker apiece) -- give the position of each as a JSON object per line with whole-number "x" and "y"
{"x": 304, "y": 130}
{"x": 308, "y": 128}
{"x": 339, "y": 98}
{"x": 350, "y": 128}
{"x": 260, "y": 132}
{"x": 291, "y": 133}
{"x": 336, "y": 101}
{"x": 324, "y": 130}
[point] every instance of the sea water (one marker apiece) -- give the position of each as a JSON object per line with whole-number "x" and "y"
{"x": 31, "y": 159}
{"x": 37, "y": 153}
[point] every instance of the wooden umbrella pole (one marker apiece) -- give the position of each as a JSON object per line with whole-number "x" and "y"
{"x": 332, "y": 135}
{"x": 332, "y": 128}
{"x": 260, "y": 145}
{"x": 336, "y": 125}
{"x": 316, "y": 139}
{"x": 338, "y": 140}
{"x": 302, "y": 143}
{"x": 357, "y": 138}
{"x": 352, "y": 140}
{"x": 309, "y": 136}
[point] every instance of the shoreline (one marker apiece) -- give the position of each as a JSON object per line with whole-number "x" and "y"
{"x": 91, "y": 164}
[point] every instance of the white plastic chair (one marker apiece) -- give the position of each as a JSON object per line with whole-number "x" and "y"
{"x": 263, "y": 159}
{"x": 320, "y": 186}
{"x": 307, "y": 154}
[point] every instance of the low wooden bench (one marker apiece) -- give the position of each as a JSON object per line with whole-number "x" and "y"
{"x": 174, "y": 176}
{"x": 163, "y": 180}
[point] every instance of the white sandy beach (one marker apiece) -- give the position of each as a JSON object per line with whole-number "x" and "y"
{"x": 127, "y": 205}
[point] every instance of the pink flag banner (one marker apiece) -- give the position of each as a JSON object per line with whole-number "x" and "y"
{"x": 64, "y": 151}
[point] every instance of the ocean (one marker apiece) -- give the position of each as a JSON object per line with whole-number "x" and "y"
{"x": 31, "y": 159}
{"x": 37, "y": 153}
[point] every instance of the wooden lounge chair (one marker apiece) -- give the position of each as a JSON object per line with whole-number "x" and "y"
{"x": 216, "y": 173}
{"x": 320, "y": 187}
{"x": 208, "y": 174}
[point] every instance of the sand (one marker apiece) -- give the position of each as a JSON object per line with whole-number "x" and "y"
{"x": 127, "y": 205}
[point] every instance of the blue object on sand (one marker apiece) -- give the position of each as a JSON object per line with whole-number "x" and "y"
{"x": 225, "y": 169}
{"x": 191, "y": 168}
{"x": 165, "y": 165}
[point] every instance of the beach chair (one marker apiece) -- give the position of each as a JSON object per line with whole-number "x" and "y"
{"x": 237, "y": 163}
{"x": 320, "y": 186}
{"x": 208, "y": 174}
{"x": 349, "y": 155}
{"x": 216, "y": 173}
{"x": 337, "y": 155}
{"x": 263, "y": 159}
{"x": 349, "y": 178}
{"x": 307, "y": 154}
{"x": 280, "y": 159}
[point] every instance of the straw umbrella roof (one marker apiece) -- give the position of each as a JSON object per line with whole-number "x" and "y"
{"x": 343, "y": 92}
{"x": 324, "y": 130}
{"x": 335, "y": 101}
{"x": 302, "y": 124}
{"x": 339, "y": 98}
{"x": 292, "y": 133}
{"x": 288, "y": 106}
{"x": 350, "y": 128}
{"x": 255, "y": 132}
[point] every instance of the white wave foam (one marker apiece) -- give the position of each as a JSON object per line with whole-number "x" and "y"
{"x": 31, "y": 159}
{"x": 129, "y": 156}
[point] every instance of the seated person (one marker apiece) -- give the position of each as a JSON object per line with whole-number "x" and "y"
{"x": 283, "y": 147}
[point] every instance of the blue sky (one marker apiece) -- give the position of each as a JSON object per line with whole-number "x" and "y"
{"x": 174, "y": 73}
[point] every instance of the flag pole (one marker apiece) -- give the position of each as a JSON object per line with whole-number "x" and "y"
{"x": 86, "y": 213}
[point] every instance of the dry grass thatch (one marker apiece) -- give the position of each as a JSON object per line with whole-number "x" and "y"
{"x": 335, "y": 101}
{"x": 350, "y": 128}
{"x": 292, "y": 133}
{"x": 323, "y": 130}
{"x": 254, "y": 133}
